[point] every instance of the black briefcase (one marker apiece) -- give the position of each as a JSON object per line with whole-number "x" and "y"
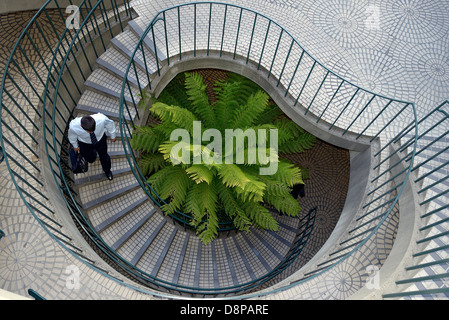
{"x": 78, "y": 162}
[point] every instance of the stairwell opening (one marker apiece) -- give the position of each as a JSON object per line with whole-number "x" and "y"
{"x": 325, "y": 188}
{"x": 212, "y": 277}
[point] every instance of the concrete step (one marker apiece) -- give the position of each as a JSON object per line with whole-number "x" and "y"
{"x": 154, "y": 239}
{"x": 135, "y": 227}
{"x": 119, "y": 167}
{"x": 106, "y": 83}
{"x": 93, "y": 102}
{"x": 148, "y": 41}
{"x": 126, "y": 43}
{"x": 113, "y": 61}
{"x": 120, "y": 214}
{"x": 99, "y": 192}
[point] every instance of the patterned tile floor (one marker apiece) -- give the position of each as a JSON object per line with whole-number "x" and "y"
{"x": 396, "y": 48}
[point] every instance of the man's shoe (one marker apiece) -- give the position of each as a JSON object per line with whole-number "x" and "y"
{"x": 109, "y": 175}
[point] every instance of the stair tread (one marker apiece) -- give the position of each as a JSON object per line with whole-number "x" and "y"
{"x": 91, "y": 101}
{"x": 150, "y": 241}
{"x": 115, "y": 115}
{"x": 132, "y": 230}
{"x": 170, "y": 266}
{"x": 126, "y": 43}
{"x": 105, "y": 213}
{"x": 136, "y": 243}
{"x": 99, "y": 192}
{"x": 111, "y": 85}
{"x": 164, "y": 252}
{"x": 138, "y": 30}
{"x": 112, "y": 219}
{"x": 114, "y": 61}
{"x": 99, "y": 175}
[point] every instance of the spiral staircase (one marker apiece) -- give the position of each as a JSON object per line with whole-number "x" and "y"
{"x": 394, "y": 219}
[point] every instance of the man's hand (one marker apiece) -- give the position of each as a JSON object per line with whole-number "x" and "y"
{"x": 77, "y": 150}
{"x": 113, "y": 140}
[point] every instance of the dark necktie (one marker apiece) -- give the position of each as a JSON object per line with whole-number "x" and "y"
{"x": 93, "y": 138}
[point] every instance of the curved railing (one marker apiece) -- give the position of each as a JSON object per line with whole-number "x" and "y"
{"x": 25, "y": 107}
{"x": 57, "y": 111}
{"x": 202, "y": 29}
{"x": 426, "y": 272}
{"x": 289, "y": 67}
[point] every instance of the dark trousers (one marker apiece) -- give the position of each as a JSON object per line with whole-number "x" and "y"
{"x": 89, "y": 152}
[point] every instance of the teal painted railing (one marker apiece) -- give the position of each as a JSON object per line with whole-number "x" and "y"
{"x": 58, "y": 108}
{"x": 348, "y": 111}
{"x": 35, "y": 295}
{"x": 27, "y": 107}
{"x": 427, "y": 275}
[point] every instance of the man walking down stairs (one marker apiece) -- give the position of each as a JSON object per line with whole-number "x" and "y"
{"x": 88, "y": 136}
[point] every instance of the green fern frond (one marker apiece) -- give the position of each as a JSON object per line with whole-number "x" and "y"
{"x": 203, "y": 198}
{"x": 174, "y": 189}
{"x": 209, "y": 191}
{"x": 282, "y": 200}
{"x": 175, "y": 94}
{"x": 233, "y": 207}
{"x": 174, "y": 114}
{"x": 182, "y": 153}
{"x": 246, "y": 87}
{"x": 253, "y": 190}
{"x": 200, "y": 173}
{"x": 270, "y": 114}
{"x": 232, "y": 175}
{"x": 245, "y": 115}
{"x": 151, "y": 162}
{"x": 164, "y": 130}
{"x": 145, "y": 139}
{"x": 289, "y": 126}
{"x": 261, "y": 216}
{"x": 288, "y": 174}
{"x": 304, "y": 172}
{"x": 278, "y": 195}
{"x": 226, "y": 103}
{"x": 157, "y": 179}
{"x": 301, "y": 143}
{"x": 196, "y": 91}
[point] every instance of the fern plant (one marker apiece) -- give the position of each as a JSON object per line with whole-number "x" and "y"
{"x": 207, "y": 191}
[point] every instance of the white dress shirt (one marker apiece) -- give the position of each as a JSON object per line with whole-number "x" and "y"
{"x": 102, "y": 125}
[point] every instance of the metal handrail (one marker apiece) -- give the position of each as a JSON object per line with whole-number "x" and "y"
{"x": 32, "y": 203}
{"x": 405, "y": 105}
{"x": 46, "y": 219}
{"x": 435, "y": 216}
{"x": 76, "y": 210}
{"x": 35, "y": 295}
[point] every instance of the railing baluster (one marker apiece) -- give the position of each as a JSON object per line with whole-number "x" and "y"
{"x": 305, "y": 82}
{"x": 385, "y": 195}
{"x": 252, "y": 36}
{"x": 330, "y": 101}
{"x": 238, "y": 31}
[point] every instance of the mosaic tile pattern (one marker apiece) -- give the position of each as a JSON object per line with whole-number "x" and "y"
{"x": 30, "y": 258}
{"x": 405, "y": 56}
